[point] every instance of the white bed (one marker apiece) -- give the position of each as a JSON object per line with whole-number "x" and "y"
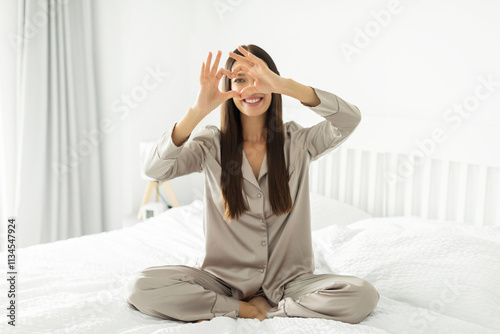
{"x": 433, "y": 276}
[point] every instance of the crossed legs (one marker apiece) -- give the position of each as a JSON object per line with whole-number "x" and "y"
{"x": 177, "y": 292}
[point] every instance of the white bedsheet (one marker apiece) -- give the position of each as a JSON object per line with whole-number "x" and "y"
{"x": 433, "y": 278}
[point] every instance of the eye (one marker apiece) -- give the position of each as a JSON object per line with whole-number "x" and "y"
{"x": 238, "y": 80}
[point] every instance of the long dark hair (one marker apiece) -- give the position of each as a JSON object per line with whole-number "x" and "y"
{"x": 232, "y": 149}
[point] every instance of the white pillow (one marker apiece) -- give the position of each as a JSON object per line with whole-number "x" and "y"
{"x": 327, "y": 211}
{"x": 451, "y": 270}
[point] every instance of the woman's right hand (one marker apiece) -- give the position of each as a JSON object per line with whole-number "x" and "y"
{"x": 209, "y": 96}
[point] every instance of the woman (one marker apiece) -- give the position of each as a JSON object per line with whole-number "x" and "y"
{"x": 259, "y": 259}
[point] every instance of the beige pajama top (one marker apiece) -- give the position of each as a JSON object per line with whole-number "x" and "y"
{"x": 259, "y": 250}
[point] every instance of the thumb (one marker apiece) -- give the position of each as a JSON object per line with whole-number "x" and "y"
{"x": 248, "y": 91}
{"x": 231, "y": 94}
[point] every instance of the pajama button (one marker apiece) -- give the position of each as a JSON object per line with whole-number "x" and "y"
{"x": 263, "y": 243}
{"x": 261, "y": 270}
{"x": 259, "y": 195}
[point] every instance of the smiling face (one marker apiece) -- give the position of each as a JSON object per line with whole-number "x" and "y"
{"x": 254, "y": 105}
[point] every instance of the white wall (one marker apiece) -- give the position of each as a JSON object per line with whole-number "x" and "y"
{"x": 426, "y": 58}
{"x": 133, "y": 39}
{"x": 109, "y": 36}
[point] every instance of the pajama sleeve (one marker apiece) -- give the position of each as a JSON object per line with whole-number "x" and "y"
{"x": 167, "y": 161}
{"x": 341, "y": 118}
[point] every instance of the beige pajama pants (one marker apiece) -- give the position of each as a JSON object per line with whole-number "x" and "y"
{"x": 178, "y": 292}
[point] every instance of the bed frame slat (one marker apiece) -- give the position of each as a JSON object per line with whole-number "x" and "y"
{"x": 372, "y": 181}
{"x": 357, "y": 168}
{"x": 342, "y": 174}
{"x": 481, "y": 193}
{"x": 461, "y": 193}
{"x": 444, "y": 171}
{"x": 426, "y": 187}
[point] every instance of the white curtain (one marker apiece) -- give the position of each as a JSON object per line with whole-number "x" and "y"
{"x": 55, "y": 177}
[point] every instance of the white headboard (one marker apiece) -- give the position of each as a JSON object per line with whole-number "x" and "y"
{"x": 378, "y": 183}
{"x": 459, "y": 181}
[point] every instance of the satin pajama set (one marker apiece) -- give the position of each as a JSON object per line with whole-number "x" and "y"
{"x": 259, "y": 253}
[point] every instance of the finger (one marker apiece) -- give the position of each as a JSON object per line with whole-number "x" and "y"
{"x": 220, "y": 73}
{"x": 254, "y": 58}
{"x": 231, "y": 95}
{"x": 223, "y": 71}
{"x": 250, "y": 56}
{"x": 248, "y": 91}
{"x": 240, "y": 68}
{"x": 202, "y": 73}
{"x": 207, "y": 66}
{"x": 240, "y": 58}
{"x": 243, "y": 50}
{"x": 216, "y": 64}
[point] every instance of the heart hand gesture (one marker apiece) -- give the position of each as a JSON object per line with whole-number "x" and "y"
{"x": 265, "y": 80}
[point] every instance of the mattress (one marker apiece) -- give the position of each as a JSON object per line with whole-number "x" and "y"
{"x": 433, "y": 277}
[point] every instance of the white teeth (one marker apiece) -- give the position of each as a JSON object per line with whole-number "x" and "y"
{"x": 252, "y": 101}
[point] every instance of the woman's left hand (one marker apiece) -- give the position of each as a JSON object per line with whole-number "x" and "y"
{"x": 265, "y": 80}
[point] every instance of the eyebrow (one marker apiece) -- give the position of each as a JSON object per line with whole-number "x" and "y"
{"x": 240, "y": 74}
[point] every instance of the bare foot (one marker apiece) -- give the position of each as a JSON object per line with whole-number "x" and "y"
{"x": 250, "y": 311}
{"x": 203, "y": 320}
{"x": 261, "y": 303}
